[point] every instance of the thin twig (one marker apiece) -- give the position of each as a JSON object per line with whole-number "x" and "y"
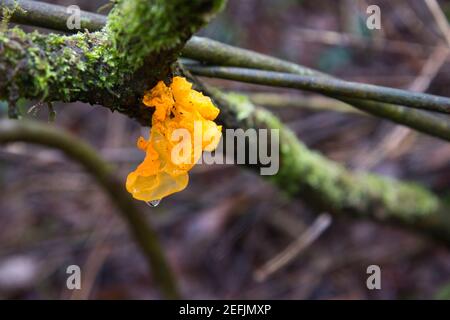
{"x": 327, "y": 86}
{"x": 440, "y": 18}
{"x": 333, "y": 38}
{"x": 398, "y": 135}
{"x": 279, "y": 100}
{"x": 214, "y": 52}
{"x": 321, "y": 223}
{"x": 391, "y": 142}
{"x": 51, "y": 16}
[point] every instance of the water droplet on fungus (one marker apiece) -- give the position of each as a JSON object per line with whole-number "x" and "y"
{"x": 153, "y": 203}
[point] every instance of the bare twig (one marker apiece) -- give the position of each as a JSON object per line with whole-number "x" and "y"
{"x": 391, "y": 141}
{"x": 278, "y": 100}
{"x": 334, "y": 38}
{"x": 51, "y": 16}
{"x": 330, "y": 87}
{"x": 440, "y": 18}
{"x": 398, "y": 135}
{"x": 321, "y": 223}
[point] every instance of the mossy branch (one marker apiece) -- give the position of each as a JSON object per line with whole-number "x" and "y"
{"x": 103, "y": 173}
{"x": 50, "y": 16}
{"x": 112, "y": 67}
{"x": 330, "y": 187}
{"x": 214, "y": 52}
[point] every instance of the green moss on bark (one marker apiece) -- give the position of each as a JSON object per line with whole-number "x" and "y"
{"x": 137, "y": 28}
{"x": 60, "y": 67}
{"x": 112, "y": 67}
{"x": 334, "y": 188}
{"x": 329, "y": 186}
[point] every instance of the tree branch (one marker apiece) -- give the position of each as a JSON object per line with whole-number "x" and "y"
{"x": 103, "y": 173}
{"x": 112, "y": 67}
{"x": 214, "y": 52}
{"x": 327, "y": 86}
{"x": 300, "y": 101}
{"x": 50, "y": 16}
{"x": 332, "y": 188}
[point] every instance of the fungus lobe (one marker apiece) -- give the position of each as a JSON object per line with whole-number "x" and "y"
{"x": 182, "y": 127}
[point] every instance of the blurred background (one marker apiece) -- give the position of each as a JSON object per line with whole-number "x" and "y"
{"x": 229, "y": 225}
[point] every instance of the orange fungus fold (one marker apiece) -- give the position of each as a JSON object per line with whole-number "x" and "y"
{"x": 182, "y": 127}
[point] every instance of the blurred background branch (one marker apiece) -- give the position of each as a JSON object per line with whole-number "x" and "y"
{"x": 146, "y": 237}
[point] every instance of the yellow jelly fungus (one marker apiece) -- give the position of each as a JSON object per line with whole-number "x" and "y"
{"x": 182, "y": 127}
